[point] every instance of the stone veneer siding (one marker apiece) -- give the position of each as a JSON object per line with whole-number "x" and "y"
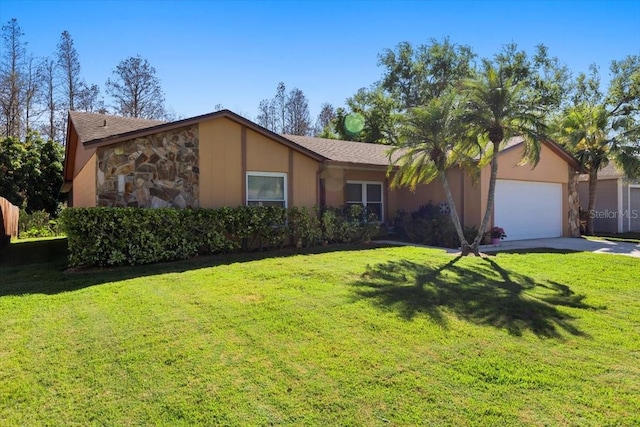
{"x": 156, "y": 171}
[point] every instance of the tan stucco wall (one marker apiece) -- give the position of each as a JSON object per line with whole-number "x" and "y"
{"x": 305, "y": 177}
{"x": 336, "y": 177}
{"x": 83, "y": 155}
{"x": 220, "y": 161}
{"x": 550, "y": 168}
{"x": 84, "y": 185}
{"x": 223, "y": 169}
{"x": 266, "y": 155}
{"x": 432, "y": 192}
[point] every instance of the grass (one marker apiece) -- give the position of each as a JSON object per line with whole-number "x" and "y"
{"x": 359, "y": 336}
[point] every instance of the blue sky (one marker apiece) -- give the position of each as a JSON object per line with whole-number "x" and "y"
{"x": 235, "y": 53}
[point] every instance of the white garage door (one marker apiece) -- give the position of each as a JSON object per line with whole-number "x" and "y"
{"x": 528, "y": 210}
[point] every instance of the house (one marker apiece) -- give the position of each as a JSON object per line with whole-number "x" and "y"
{"x": 222, "y": 159}
{"x": 617, "y": 207}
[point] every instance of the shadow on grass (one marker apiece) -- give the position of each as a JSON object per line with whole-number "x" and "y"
{"x": 40, "y": 267}
{"x": 484, "y": 294}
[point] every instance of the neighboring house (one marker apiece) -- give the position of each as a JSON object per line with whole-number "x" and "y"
{"x": 617, "y": 207}
{"x": 222, "y": 159}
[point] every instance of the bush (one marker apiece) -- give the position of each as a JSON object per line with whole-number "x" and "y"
{"x": 348, "y": 224}
{"x": 304, "y": 227}
{"x": 427, "y": 226}
{"x": 38, "y": 224}
{"x": 117, "y": 236}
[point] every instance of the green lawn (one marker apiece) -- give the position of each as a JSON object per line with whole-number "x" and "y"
{"x": 360, "y": 336}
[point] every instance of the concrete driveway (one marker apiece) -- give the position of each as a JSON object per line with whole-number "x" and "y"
{"x": 562, "y": 243}
{"x": 567, "y": 243}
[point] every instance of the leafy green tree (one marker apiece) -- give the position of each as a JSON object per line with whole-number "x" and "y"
{"x": 415, "y": 75}
{"x": 31, "y": 172}
{"x": 412, "y": 77}
{"x": 377, "y": 108}
{"x": 43, "y": 187}
{"x": 497, "y": 109}
{"x": 602, "y": 128}
{"x": 12, "y": 179}
{"x": 548, "y": 82}
{"x": 431, "y": 140}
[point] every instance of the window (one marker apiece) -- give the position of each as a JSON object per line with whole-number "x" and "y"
{"x": 366, "y": 193}
{"x": 266, "y": 189}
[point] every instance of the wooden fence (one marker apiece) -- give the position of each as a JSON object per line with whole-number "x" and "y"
{"x": 9, "y": 215}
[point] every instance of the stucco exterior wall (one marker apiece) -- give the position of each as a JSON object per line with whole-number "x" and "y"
{"x": 221, "y": 174}
{"x": 228, "y": 151}
{"x": 336, "y": 177}
{"x": 432, "y": 192}
{"x": 605, "y": 216}
{"x": 84, "y": 185}
{"x": 305, "y": 180}
{"x": 632, "y": 219}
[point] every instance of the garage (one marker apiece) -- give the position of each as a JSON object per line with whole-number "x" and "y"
{"x": 634, "y": 208}
{"x": 528, "y": 210}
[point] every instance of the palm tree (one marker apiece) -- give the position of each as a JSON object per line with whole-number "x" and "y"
{"x": 430, "y": 141}
{"x": 597, "y": 136}
{"x": 497, "y": 109}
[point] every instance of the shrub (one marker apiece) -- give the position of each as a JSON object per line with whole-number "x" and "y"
{"x": 38, "y": 224}
{"x": 117, "y": 236}
{"x": 427, "y": 226}
{"x": 348, "y": 224}
{"x": 304, "y": 227}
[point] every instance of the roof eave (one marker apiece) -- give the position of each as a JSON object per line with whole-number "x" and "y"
{"x": 355, "y": 165}
{"x": 113, "y": 139}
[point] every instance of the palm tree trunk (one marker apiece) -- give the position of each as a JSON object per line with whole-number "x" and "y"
{"x": 593, "y": 182}
{"x": 464, "y": 245}
{"x": 475, "y": 246}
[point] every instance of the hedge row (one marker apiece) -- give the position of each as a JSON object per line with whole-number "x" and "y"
{"x": 119, "y": 236}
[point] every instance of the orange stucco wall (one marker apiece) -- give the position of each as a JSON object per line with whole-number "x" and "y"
{"x": 84, "y": 185}
{"x": 223, "y": 168}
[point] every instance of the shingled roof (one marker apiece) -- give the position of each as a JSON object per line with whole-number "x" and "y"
{"x": 101, "y": 129}
{"x": 345, "y": 151}
{"x": 92, "y": 126}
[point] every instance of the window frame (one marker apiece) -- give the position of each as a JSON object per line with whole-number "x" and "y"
{"x": 364, "y": 201}
{"x": 285, "y": 191}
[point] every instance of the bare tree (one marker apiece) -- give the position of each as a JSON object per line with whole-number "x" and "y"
{"x": 89, "y": 99}
{"x": 136, "y": 89}
{"x": 48, "y": 73}
{"x": 325, "y": 117}
{"x": 11, "y": 78}
{"x": 32, "y": 92}
{"x": 280, "y": 104}
{"x": 69, "y": 66}
{"x": 298, "y": 121}
{"x": 267, "y": 116}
